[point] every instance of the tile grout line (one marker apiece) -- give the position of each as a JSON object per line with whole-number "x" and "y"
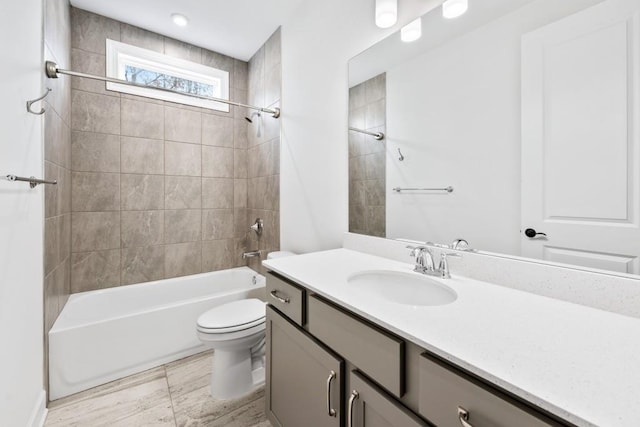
{"x": 166, "y": 378}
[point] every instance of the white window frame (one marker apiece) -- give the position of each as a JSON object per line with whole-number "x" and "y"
{"x": 119, "y": 55}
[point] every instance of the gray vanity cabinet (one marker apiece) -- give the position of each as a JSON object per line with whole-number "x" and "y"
{"x": 304, "y": 379}
{"x": 370, "y": 406}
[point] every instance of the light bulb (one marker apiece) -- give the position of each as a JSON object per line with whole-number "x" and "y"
{"x": 386, "y": 13}
{"x": 454, "y": 8}
{"x": 179, "y": 19}
{"x": 412, "y": 31}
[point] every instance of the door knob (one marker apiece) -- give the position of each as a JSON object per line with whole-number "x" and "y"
{"x": 531, "y": 233}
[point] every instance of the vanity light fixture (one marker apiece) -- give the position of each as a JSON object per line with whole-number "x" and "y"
{"x": 179, "y": 19}
{"x": 412, "y": 31}
{"x": 454, "y": 8}
{"x": 386, "y": 13}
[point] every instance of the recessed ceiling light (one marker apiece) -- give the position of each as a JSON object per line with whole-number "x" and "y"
{"x": 179, "y": 19}
{"x": 453, "y": 8}
{"x": 412, "y": 31}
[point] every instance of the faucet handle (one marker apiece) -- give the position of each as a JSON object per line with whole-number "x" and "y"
{"x": 443, "y": 267}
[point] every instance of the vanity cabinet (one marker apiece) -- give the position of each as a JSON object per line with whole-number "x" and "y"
{"x": 322, "y": 358}
{"x": 451, "y": 399}
{"x": 304, "y": 379}
{"x": 370, "y": 406}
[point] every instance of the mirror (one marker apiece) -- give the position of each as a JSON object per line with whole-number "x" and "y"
{"x": 527, "y": 110}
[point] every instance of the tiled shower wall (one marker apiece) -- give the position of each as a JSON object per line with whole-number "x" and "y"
{"x": 265, "y": 77}
{"x": 367, "y": 111}
{"x": 57, "y": 165}
{"x": 158, "y": 189}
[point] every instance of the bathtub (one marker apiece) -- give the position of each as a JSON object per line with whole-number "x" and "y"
{"x": 107, "y": 334}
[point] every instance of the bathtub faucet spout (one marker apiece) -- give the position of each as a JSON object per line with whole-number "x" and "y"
{"x": 251, "y": 254}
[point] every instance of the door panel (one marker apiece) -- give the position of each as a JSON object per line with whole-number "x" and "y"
{"x": 297, "y": 372}
{"x": 373, "y": 408}
{"x": 580, "y": 140}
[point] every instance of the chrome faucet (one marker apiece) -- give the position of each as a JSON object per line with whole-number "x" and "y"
{"x": 425, "y": 265}
{"x": 424, "y": 259}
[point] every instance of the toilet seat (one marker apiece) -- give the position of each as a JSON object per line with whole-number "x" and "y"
{"x": 237, "y": 316}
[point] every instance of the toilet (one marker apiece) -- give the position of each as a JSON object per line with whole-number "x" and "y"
{"x": 236, "y": 333}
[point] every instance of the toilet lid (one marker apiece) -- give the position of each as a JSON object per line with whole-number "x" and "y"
{"x": 233, "y": 316}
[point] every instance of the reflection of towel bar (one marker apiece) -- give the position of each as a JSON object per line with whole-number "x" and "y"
{"x": 33, "y": 182}
{"x": 447, "y": 189}
{"x": 377, "y": 135}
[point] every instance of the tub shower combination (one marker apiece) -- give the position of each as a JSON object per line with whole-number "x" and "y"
{"x": 104, "y": 335}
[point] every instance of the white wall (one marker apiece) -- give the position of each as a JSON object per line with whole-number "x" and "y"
{"x": 21, "y": 217}
{"x": 455, "y": 113}
{"x": 317, "y": 44}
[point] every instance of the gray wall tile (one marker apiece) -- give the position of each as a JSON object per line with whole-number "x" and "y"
{"x": 142, "y": 119}
{"x": 91, "y": 63}
{"x": 95, "y": 191}
{"x": 183, "y": 259}
{"x": 95, "y": 270}
{"x": 183, "y": 187}
{"x": 95, "y": 152}
{"x": 240, "y": 193}
{"x": 182, "y": 125}
{"x": 142, "y": 155}
{"x": 142, "y": 192}
{"x": 182, "y": 159}
{"x": 143, "y": 264}
{"x": 142, "y": 228}
{"x": 217, "y": 193}
{"x": 217, "y": 162}
{"x": 182, "y": 50}
{"x": 217, "y": 130}
{"x": 218, "y": 254}
{"x": 217, "y": 224}
{"x": 142, "y": 38}
{"x": 89, "y": 31}
{"x": 95, "y": 113}
{"x": 182, "y": 192}
{"x": 182, "y": 225}
{"x": 93, "y": 231}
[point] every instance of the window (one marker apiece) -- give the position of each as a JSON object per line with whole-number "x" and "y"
{"x": 153, "y": 69}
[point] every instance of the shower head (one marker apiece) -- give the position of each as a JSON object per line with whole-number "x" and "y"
{"x": 250, "y": 119}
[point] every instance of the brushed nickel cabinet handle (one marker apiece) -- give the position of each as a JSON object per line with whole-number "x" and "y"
{"x": 463, "y": 416}
{"x": 352, "y": 399}
{"x": 330, "y": 410}
{"x": 274, "y": 294}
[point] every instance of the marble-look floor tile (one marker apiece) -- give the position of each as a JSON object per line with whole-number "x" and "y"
{"x": 176, "y": 394}
{"x": 143, "y": 400}
{"x": 250, "y": 415}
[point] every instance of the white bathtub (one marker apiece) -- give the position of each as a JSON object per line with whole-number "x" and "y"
{"x": 104, "y": 335}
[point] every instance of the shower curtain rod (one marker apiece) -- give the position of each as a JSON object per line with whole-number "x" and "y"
{"x": 52, "y": 71}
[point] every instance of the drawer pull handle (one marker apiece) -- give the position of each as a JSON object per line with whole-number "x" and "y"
{"x": 274, "y": 294}
{"x": 330, "y": 410}
{"x": 352, "y": 399}
{"x": 463, "y": 416}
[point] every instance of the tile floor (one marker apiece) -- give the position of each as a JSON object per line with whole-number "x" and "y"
{"x": 176, "y": 394}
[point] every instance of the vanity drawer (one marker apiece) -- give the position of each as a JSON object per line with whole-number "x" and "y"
{"x": 443, "y": 391}
{"x": 376, "y": 353}
{"x": 286, "y": 297}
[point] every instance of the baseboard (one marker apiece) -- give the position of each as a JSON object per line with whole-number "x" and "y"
{"x": 39, "y": 413}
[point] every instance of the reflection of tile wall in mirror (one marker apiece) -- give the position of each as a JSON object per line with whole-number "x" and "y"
{"x": 367, "y": 111}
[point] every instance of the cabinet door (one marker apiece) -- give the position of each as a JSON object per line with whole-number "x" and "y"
{"x": 304, "y": 380}
{"x": 370, "y": 406}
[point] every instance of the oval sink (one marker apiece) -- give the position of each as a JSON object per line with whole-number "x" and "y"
{"x": 403, "y": 288}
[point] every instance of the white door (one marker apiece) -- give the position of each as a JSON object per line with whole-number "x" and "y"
{"x": 580, "y": 138}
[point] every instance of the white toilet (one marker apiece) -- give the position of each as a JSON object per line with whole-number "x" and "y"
{"x": 236, "y": 332}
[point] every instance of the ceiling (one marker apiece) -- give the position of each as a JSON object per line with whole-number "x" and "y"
{"x": 235, "y": 28}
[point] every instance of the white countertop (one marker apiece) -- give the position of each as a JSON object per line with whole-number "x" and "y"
{"x": 579, "y": 363}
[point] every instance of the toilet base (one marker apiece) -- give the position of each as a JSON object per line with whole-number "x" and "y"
{"x": 235, "y": 373}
